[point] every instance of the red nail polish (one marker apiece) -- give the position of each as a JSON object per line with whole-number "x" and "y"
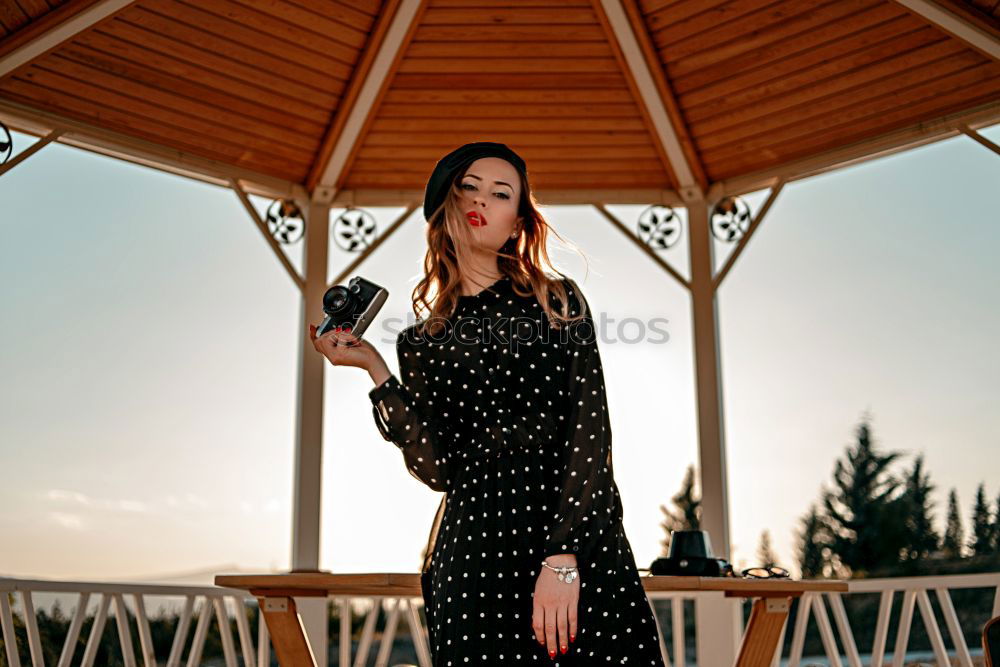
{"x": 572, "y": 638}
{"x": 562, "y": 648}
{"x": 552, "y": 654}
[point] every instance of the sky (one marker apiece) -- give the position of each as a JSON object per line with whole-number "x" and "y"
{"x": 150, "y": 338}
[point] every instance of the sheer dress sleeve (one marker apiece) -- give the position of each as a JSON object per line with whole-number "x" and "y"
{"x": 402, "y": 411}
{"x": 587, "y": 499}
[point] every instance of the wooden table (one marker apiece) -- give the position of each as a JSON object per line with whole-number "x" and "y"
{"x": 275, "y": 593}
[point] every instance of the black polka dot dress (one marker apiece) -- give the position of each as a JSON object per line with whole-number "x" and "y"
{"x": 509, "y": 418}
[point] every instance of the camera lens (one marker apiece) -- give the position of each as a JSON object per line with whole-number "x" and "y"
{"x": 338, "y": 300}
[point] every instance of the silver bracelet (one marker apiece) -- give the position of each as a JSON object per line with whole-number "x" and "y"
{"x": 566, "y": 573}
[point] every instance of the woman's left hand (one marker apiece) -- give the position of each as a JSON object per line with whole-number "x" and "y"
{"x": 555, "y": 606}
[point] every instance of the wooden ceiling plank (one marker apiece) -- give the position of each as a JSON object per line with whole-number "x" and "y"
{"x": 325, "y": 53}
{"x": 516, "y": 33}
{"x": 499, "y": 65}
{"x": 58, "y": 91}
{"x": 34, "y": 8}
{"x": 807, "y": 120}
{"x": 159, "y": 103}
{"x": 835, "y": 76}
{"x": 976, "y": 31}
{"x": 555, "y": 95}
{"x": 506, "y": 125}
{"x": 283, "y": 124}
{"x": 505, "y": 16}
{"x": 510, "y": 49}
{"x": 983, "y": 5}
{"x": 599, "y": 179}
{"x": 530, "y": 80}
{"x": 12, "y": 17}
{"x": 369, "y": 7}
{"x": 833, "y": 92}
{"x": 333, "y": 23}
{"x": 290, "y": 108}
{"x": 972, "y": 88}
{"x": 974, "y": 95}
{"x": 917, "y": 134}
{"x": 803, "y": 63}
{"x": 673, "y": 13}
{"x": 332, "y": 20}
{"x": 517, "y": 4}
{"x": 484, "y": 111}
{"x": 650, "y": 6}
{"x": 704, "y": 50}
{"x": 421, "y": 154}
{"x": 522, "y": 139}
{"x": 170, "y": 158}
{"x": 795, "y": 37}
{"x": 418, "y": 168}
{"x": 668, "y": 127}
{"x": 49, "y": 36}
{"x": 708, "y": 26}
{"x": 231, "y": 55}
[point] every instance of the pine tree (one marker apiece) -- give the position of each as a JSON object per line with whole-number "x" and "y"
{"x": 953, "y": 534}
{"x": 688, "y": 514}
{"x": 812, "y": 545}
{"x": 864, "y": 518}
{"x": 921, "y": 538}
{"x": 765, "y": 554}
{"x": 995, "y": 531}
{"x": 981, "y": 542}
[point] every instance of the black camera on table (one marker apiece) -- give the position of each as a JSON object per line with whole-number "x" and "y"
{"x": 354, "y": 305}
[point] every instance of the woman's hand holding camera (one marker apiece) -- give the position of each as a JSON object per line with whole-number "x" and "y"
{"x": 342, "y": 348}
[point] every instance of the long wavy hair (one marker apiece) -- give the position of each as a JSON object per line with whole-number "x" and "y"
{"x": 523, "y": 259}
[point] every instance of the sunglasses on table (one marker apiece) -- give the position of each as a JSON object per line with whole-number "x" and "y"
{"x": 773, "y": 572}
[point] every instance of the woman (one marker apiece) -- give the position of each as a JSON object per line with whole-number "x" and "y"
{"x": 500, "y": 403}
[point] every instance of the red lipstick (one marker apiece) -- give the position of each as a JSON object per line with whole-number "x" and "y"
{"x": 476, "y": 219}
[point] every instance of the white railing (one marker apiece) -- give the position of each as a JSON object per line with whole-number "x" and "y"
{"x": 193, "y": 601}
{"x": 915, "y": 593}
{"x": 108, "y": 595}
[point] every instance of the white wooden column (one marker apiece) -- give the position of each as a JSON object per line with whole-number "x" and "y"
{"x": 307, "y": 490}
{"x": 717, "y": 618}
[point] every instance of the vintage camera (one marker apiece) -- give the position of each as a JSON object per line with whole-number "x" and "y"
{"x": 355, "y": 305}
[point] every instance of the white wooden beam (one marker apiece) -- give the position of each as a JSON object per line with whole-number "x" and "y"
{"x": 60, "y": 33}
{"x": 262, "y": 226}
{"x": 666, "y": 133}
{"x": 641, "y": 245}
{"x": 29, "y": 151}
{"x": 956, "y": 25}
{"x": 978, "y": 138}
{"x": 364, "y": 103}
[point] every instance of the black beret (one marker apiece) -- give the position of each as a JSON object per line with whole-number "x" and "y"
{"x": 444, "y": 171}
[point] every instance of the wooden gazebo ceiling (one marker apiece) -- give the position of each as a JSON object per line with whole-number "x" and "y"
{"x": 729, "y": 88}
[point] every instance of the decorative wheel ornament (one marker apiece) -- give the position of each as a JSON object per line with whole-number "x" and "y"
{"x": 284, "y": 221}
{"x": 659, "y": 227}
{"x": 354, "y": 230}
{"x": 730, "y": 219}
{"x": 6, "y": 143}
